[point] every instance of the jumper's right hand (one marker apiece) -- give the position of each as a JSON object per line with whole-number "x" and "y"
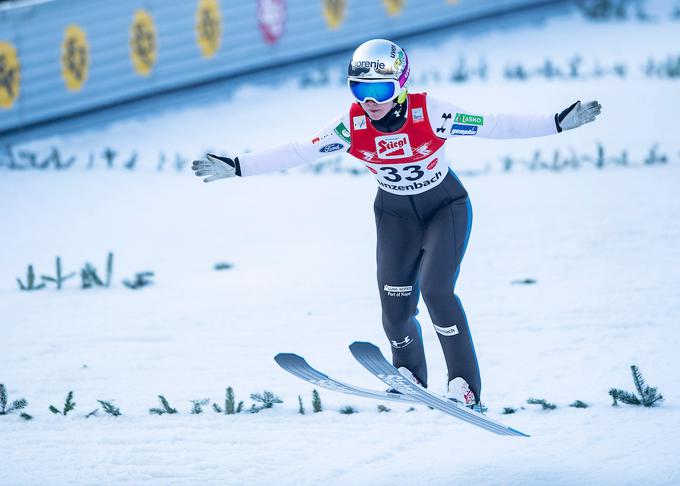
{"x": 215, "y": 167}
{"x": 577, "y": 114}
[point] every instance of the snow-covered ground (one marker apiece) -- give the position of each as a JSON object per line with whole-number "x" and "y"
{"x": 603, "y": 246}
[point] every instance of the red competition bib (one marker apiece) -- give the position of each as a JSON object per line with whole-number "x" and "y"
{"x": 408, "y": 161}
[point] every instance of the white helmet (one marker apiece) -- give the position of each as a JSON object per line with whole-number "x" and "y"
{"x": 378, "y": 71}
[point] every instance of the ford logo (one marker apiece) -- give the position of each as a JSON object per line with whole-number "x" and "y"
{"x": 331, "y": 147}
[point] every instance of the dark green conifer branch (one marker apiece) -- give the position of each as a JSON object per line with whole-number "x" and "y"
{"x": 142, "y": 279}
{"x": 197, "y": 406}
{"x": 16, "y": 405}
{"x": 266, "y": 399}
{"x": 647, "y": 396}
{"x": 69, "y": 405}
{"x": 60, "y": 278}
{"x": 110, "y": 408}
{"x": 166, "y": 408}
{"x": 316, "y": 401}
{"x": 30, "y": 281}
{"x": 545, "y": 405}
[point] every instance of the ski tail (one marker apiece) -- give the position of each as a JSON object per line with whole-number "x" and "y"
{"x": 298, "y": 366}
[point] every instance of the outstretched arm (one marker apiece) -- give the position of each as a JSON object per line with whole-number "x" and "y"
{"x": 333, "y": 137}
{"x": 448, "y": 121}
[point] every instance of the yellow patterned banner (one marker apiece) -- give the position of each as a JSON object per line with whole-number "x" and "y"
{"x": 75, "y": 57}
{"x": 334, "y": 12}
{"x": 208, "y": 27}
{"x": 143, "y": 44}
{"x": 10, "y": 75}
{"x": 394, "y": 7}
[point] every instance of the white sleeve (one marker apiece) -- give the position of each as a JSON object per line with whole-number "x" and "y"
{"x": 332, "y": 138}
{"x": 448, "y": 121}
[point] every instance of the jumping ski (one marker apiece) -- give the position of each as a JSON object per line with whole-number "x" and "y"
{"x": 370, "y": 357}
{"x": 299, "y": 367}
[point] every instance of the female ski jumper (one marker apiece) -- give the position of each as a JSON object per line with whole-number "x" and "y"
{"x": 422, "y": 212}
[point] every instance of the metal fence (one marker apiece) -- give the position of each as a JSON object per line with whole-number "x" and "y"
{"x": 60, "y": 58}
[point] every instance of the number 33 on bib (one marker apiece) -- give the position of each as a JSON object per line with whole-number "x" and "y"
{"x": 409, "y": 161}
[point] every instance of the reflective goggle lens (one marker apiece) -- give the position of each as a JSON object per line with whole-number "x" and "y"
{"x": 379, "y": 92}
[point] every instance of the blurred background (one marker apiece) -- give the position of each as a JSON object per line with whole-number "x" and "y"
{"x": 124, "y": 277}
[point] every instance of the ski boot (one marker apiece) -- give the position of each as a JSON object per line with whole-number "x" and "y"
{"x": 407, "y": 373}
{"x": 459, "y": 391}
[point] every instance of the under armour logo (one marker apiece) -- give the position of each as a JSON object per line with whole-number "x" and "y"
{"x": 402, "y": 344}
{"x": 446, "y": 117}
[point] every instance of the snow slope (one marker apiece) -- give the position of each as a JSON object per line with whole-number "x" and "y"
{"x": 602, "y": 245}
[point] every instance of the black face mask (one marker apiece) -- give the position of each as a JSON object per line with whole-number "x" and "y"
{"x": 393, "y": 120}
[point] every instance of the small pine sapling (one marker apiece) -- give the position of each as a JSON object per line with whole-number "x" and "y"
{"x": 267, "y": 399}
{"x": 166, "y": 407}
{"x": 254, "y": 408}
{"x": 93, "y": 413}
{"x": 348, "y": 410}
{"x": 229, "y": 404}
{"x": 223, "y": 266}
{"x": 648, "y": 396}
{"x": 623, "y": 396}
{"x": 301, "y": 407}
{"x": 197, "y": 406}
{"x": 579, "y": 404}
{"x": 229, "y": 408}
{"x": 30, "y": 281}
{"x": 85, "y": 279}
{"x": 69, "y": 405}
{"x": 14, "y": 407}
{"x": 90, "y": 278}
{"x": 508, "y": 410}
{"x": 524, "y": 281}
{"x": 142, "y": 279}
{"x": 410, "y": 409}
{"x": 109, "y": 269}
{"x": 130, "y": 164}
{"x": 60, "y": 278}
{"x": 316, "y": 401}
{"x": 383, "y": 408}
{"x": 110, "y": 408}
{"x": 545, "y": 405}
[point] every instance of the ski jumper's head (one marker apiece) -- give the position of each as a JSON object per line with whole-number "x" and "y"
{"x": 378, "y": 75}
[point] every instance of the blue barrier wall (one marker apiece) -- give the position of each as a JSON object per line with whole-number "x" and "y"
{"x": 59, "y": 58}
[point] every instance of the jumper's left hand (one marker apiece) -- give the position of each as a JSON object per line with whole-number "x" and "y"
{"x": 577, "y": 114}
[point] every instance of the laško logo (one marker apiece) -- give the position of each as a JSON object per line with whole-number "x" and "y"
{"x": 393, "y": 146}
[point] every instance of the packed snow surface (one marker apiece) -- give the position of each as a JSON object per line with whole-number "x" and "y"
{"x": 602, "y": 245}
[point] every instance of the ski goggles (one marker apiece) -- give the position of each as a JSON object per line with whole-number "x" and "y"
{"x": 379, "y": 90}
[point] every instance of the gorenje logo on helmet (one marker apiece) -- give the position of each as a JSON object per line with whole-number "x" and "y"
{"x": 368, "y": 64}
{"x": 393, "y": 146}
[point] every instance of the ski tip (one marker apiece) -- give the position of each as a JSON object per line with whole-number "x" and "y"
{"x": 518, "y": 433}
{"x": 362, "y": 345}
{"x": 287, "y": 356}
